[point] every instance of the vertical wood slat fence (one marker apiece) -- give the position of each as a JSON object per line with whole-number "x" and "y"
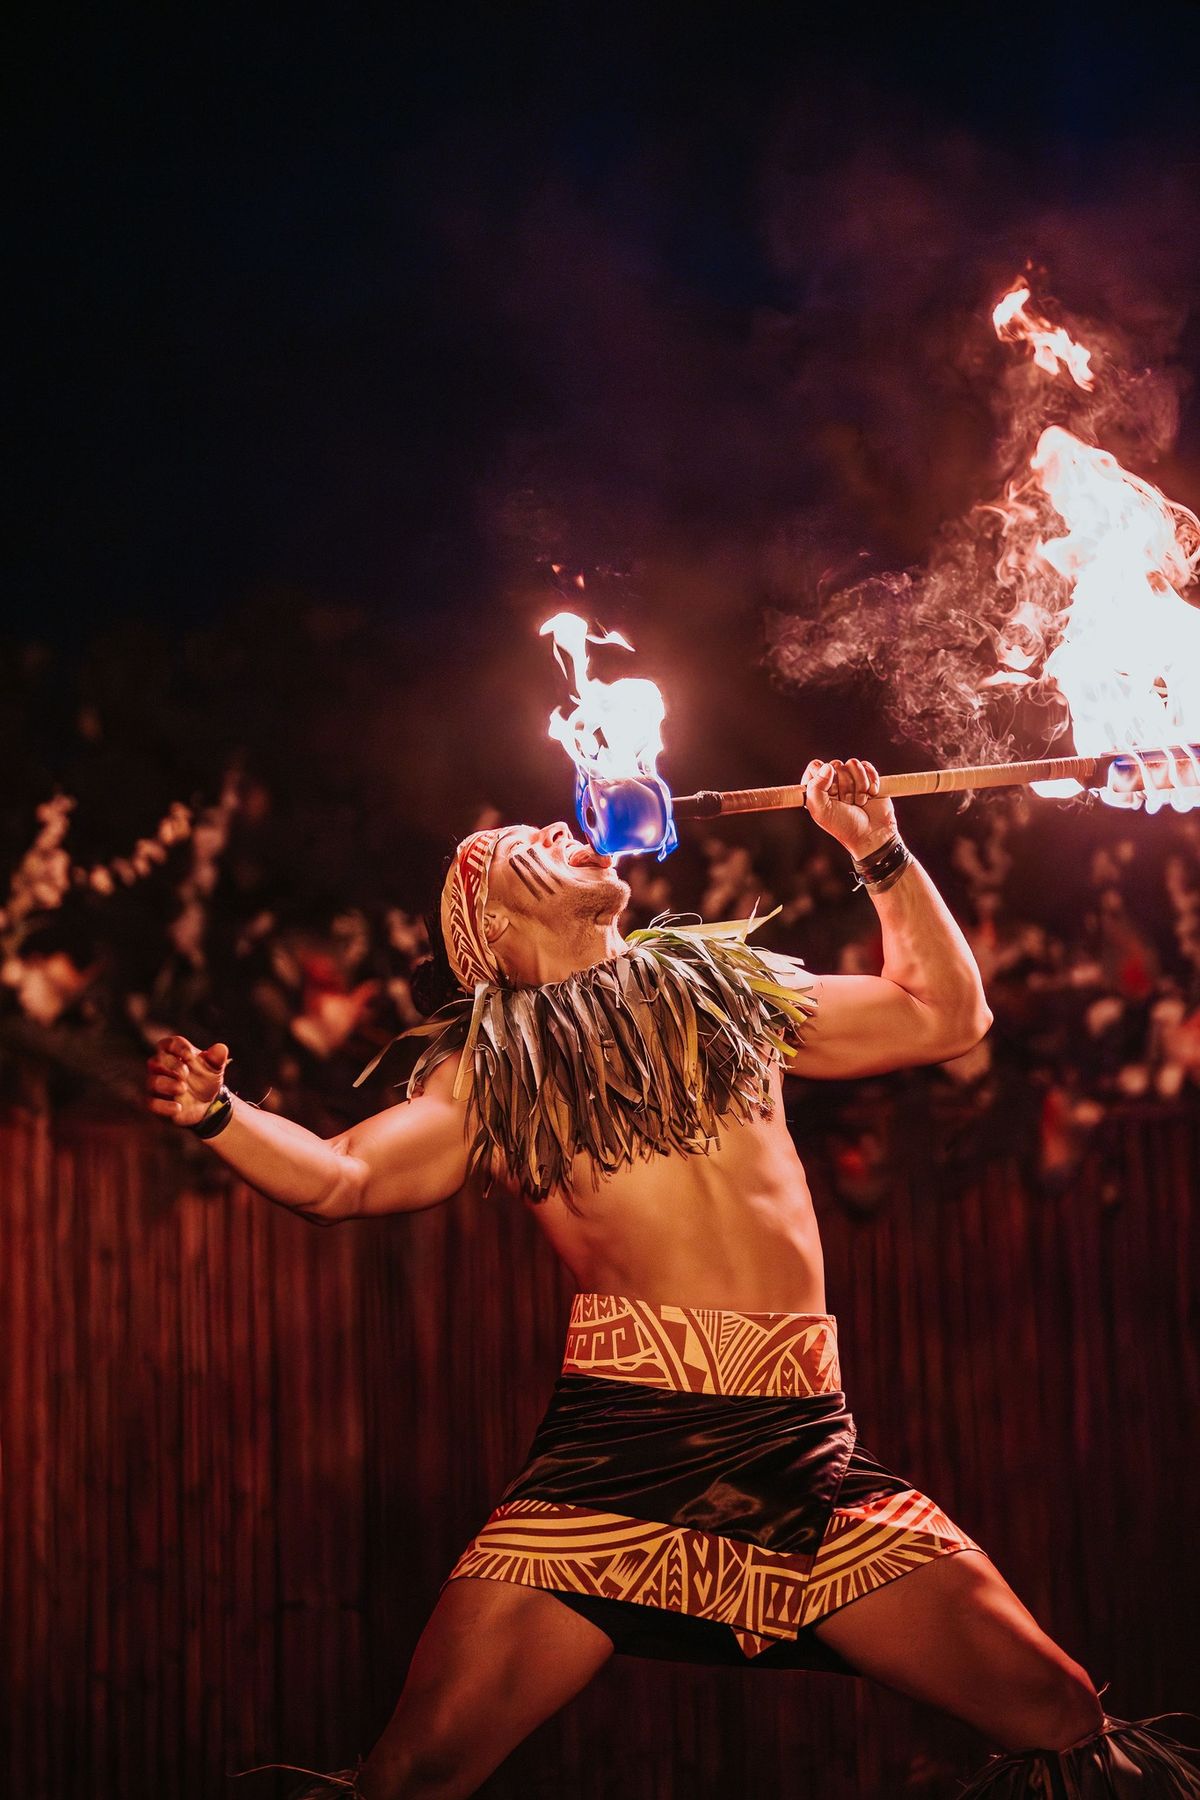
{"x": 241, "y": 1452}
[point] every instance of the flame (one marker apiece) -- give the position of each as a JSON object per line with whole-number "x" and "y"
{"x": 614, "y": 728}
{"x": 1051, "y": 345}
{"x": 1123, "y": 649}
{"x": 1128, "y": 660}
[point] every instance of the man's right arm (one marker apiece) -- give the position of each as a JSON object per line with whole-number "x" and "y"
{"x": 411, "y": 1156}
{"x": 408, "y": 1157}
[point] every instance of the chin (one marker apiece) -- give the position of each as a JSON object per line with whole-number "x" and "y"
{"x": 611, "y": 896}
{"x": 622, "y": 894}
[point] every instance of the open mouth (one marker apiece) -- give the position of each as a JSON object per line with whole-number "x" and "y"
{"x": 581, "y": 856}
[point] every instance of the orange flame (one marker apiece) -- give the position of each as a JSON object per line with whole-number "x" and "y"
{"x": 614, "y": 728}
{"x": 1127, "y": 655}
{"x": 1051, "y": 345}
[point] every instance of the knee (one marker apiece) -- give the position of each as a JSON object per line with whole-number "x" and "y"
{"x": 1063, "y": 1709}
{"x": 431, "y": 1750}
{"x": 417, "y": 1772}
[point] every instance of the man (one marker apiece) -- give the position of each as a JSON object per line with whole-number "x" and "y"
{"x": 696, "y": 1488}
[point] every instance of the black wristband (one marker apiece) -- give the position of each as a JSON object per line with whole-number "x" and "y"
{"x": 217, "y": 1117}
{"x": 867, "y": 864}
{"x": 884, "y": 866}
{"x": 880, "y": 883}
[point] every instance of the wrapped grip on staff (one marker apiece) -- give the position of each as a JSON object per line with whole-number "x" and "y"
{"x": 627, "y": 815}
{"x": 1133, "y": 773}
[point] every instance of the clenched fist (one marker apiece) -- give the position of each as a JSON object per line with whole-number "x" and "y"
{"x": 182, "y": 1081}
{"x": 844, "y": 799}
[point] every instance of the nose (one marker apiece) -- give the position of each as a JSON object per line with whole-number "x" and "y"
{"x": 554, "y": 834}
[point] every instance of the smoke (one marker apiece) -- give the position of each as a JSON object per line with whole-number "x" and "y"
{"x": 935, "y": 636}
{"x": 768, "y": 427}
{"x": 910, "y": 247}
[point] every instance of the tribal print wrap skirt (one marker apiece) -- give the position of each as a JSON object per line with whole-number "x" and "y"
{"x": 697, "y": 1490}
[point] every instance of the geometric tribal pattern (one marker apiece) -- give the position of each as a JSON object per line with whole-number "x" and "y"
{"x": 762, "y": 1595}
{"x": 464, "y": 900}
{"x": 545, "y": 1544}
{"x": 702, "y": 1350}
{"x": 868, "y": 1545}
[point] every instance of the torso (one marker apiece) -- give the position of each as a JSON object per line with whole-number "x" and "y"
{"x": 734, "y": 1228}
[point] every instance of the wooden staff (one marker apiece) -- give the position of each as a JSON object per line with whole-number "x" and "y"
{"x": 1178, "y": 766}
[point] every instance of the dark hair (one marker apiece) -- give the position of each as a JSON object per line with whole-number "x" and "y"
{"x": 433, "y": 981}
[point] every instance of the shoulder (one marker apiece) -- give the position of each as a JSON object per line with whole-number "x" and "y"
{"x": 774, "y": 972}
{"x": 788, "y": 970}
{"x": 438, "y": 1083}
{"x": 728, "y": 943}
{"x": 763, "y": 996}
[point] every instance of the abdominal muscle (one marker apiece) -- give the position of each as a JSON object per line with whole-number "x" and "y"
{"x": 732, "y": 1229}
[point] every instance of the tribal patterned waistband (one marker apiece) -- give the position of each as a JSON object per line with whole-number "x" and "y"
{"x": 702, "y": 1350}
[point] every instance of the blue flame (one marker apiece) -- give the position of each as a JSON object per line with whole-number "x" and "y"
{"x": 626, "y": 817}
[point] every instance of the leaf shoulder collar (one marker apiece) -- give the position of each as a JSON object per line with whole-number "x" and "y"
{"x": 639, "y": 1056}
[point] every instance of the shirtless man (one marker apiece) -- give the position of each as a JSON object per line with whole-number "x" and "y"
{"x": 732, "y": 1231}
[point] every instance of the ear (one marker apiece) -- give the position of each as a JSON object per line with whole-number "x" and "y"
{"x": 495, "y": 924}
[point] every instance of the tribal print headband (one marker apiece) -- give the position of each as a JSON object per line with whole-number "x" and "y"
{"x": 464, "y": 902}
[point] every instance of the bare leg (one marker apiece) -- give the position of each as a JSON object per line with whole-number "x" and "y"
{"x": 954, "y": 1635}
{"x": 494, "y": 1660}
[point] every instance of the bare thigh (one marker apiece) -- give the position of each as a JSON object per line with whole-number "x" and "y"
{"x": 494, "y": 1660}
{"x": 953, "y": 1634}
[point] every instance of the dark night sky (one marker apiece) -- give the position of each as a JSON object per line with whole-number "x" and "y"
{"x": 304, "y": 304}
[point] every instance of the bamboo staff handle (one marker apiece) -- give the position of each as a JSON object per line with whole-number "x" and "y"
{"x": 1088, "y": 770}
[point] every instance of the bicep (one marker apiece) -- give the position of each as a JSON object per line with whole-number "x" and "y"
{"x": 867, "y": 1025}
{"x": 411, "y": 1156}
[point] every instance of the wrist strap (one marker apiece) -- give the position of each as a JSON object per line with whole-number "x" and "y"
{"x": 884, "y": 867}
{"x": 217, "y": 1117}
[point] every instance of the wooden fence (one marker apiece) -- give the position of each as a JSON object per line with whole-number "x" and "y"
{"x": 240, "y": 1453}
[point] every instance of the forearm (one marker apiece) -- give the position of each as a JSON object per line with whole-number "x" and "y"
{"x": 284, "y": 1161}
{"x": 929, "y": 1005}
{"x": 925, "y": 952}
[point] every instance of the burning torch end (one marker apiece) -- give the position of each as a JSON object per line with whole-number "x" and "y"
{"x": 634, "y": 814}
{"x": 628, "y": 816}
{"x": 1154, "y": 778}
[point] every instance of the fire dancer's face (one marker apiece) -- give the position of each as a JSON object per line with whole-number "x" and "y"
{"x": 547, "y": 881}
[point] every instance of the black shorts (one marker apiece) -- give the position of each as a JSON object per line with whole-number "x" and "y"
{"x": 697, "y": 1490}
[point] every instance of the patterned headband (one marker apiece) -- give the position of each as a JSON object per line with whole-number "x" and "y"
{"x": 464, "y": 902}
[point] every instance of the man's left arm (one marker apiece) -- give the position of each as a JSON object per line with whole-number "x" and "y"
{"x": 928, "y": 1005}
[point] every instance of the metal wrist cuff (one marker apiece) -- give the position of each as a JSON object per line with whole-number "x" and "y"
{"x": 217, "y": 1117}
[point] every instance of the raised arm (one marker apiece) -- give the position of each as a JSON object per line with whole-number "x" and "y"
{"x": 411, "y": 1156}
{"x": 929, "y": 1004}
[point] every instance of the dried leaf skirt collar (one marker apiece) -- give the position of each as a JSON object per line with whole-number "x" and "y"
{"x": 637, "y": 1057}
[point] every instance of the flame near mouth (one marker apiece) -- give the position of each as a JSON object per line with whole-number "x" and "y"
{"x": 613, "y": 735}
{"x": 614, "y": 729}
